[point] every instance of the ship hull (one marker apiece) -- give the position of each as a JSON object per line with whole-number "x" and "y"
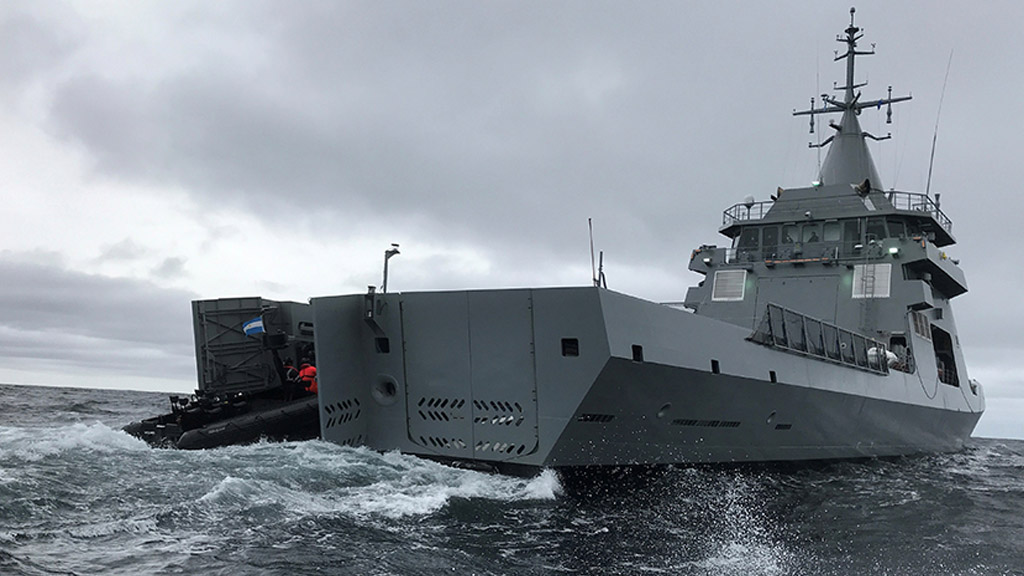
{"x": 654, "y": 414}
{"x": 579, "y": 377}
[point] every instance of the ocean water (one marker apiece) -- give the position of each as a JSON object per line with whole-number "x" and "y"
{"x": 78, "y": 496}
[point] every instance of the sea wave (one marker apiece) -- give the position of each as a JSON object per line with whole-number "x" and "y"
{"x": 86, "y": 498}
{"x": 316, "y": 478}
{"x": 33, "y": 444}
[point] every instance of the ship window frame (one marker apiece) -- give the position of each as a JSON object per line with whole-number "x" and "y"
{"x": 810, "y": 233}
{"x": 832, "y": 225}
{"x": 785, "y": 236}
{"x": 852, "y": 235}
{"x": 896, "y": 228}
{"x": 570, "y": 347}
{"x": 872, "y": 227}
{"x": 749, "y": 238}
{"x": 770, "y": 238}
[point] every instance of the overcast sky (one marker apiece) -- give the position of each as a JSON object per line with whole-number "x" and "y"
{"x": 152, "y": 153}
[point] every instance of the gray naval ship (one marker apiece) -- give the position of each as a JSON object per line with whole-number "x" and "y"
{"x": 824, "y": 330}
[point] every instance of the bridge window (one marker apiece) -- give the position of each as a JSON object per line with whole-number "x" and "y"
{"x": 749, "y": 237}
{"x": 897, "y": 229}
{"x": 831, "y": 233}
{"x": 851, "y": 235}
{"x": 875, "y": 229}
{"x": 811, "y": 233}
{"x": 789, "y": 234}
{"x": 770, "y": 238}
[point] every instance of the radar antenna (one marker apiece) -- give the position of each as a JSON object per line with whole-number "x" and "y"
{"x": 851, "y": 96}
{"x": 848, "y": 160}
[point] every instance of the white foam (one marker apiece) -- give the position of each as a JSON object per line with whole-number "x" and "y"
{"x": 109, "y": 527}
{"x": 742, "y": 540}
{"x": 544, "y": 486}
{"x": 746, "y": 559}
{"x": 316, "y": 478}
{"x": 425, "y": 487}
{"x": 33, "y": 444}
{"x": 229, "y": 489}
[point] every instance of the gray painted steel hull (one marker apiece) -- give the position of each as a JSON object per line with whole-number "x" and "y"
{"x": 554, "y": 378}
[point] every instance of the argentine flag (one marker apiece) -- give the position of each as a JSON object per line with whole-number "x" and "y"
{"x": 254, "y": 326}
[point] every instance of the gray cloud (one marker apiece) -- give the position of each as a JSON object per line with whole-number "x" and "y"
{"x": 170, "y": 268}
{"x": 75, "y": 320}
{"x": 469, "y": 124}
{"x": 31, "y": 45}
{"x": 125, "y": 250}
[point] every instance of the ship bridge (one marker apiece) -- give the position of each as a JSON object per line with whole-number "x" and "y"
{"x": 919, "y": 211}
{"x": 844, "y": 249}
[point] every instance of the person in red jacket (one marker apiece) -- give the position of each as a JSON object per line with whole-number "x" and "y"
{"x": 307, "y": 376}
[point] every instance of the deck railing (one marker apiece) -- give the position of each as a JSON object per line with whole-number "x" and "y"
{"x": 907, "y": 201}
{"x": 915, "y": 202}
{"x": 795, "y": 332}
{"x": 743, "y": 212}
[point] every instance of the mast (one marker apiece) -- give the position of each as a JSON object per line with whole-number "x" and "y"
{"x": 848, "y": 160}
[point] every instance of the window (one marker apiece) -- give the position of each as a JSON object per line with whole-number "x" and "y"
{"x": 770, "y": 238}
{"x": 729, "y": 285}
{"x": 851, "y": 236}
{"x": 382, "y": 345}
{"x": 875, "y": 229}
{"x": 789, "y": 234}
{"x": 748, "y": 238}
{"x": 831, "y": 232}
{"x": 811, "y": 233}
{"x": 896, "y": 229}
{"x": 570, "y": 347}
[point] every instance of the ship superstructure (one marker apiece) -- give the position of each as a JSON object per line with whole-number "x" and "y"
{"x": 824, "y": 330}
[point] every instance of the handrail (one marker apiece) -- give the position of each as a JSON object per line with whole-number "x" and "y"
{"x": 792, "y": 331}
{"x": 743, "y": 212}
{"x": 903, "y": 201}
{"x": 917, "y": 202}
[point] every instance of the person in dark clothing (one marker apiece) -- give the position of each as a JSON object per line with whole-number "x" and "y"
{"x": 290, "y": 373}
{"x": 292, "y": 384}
